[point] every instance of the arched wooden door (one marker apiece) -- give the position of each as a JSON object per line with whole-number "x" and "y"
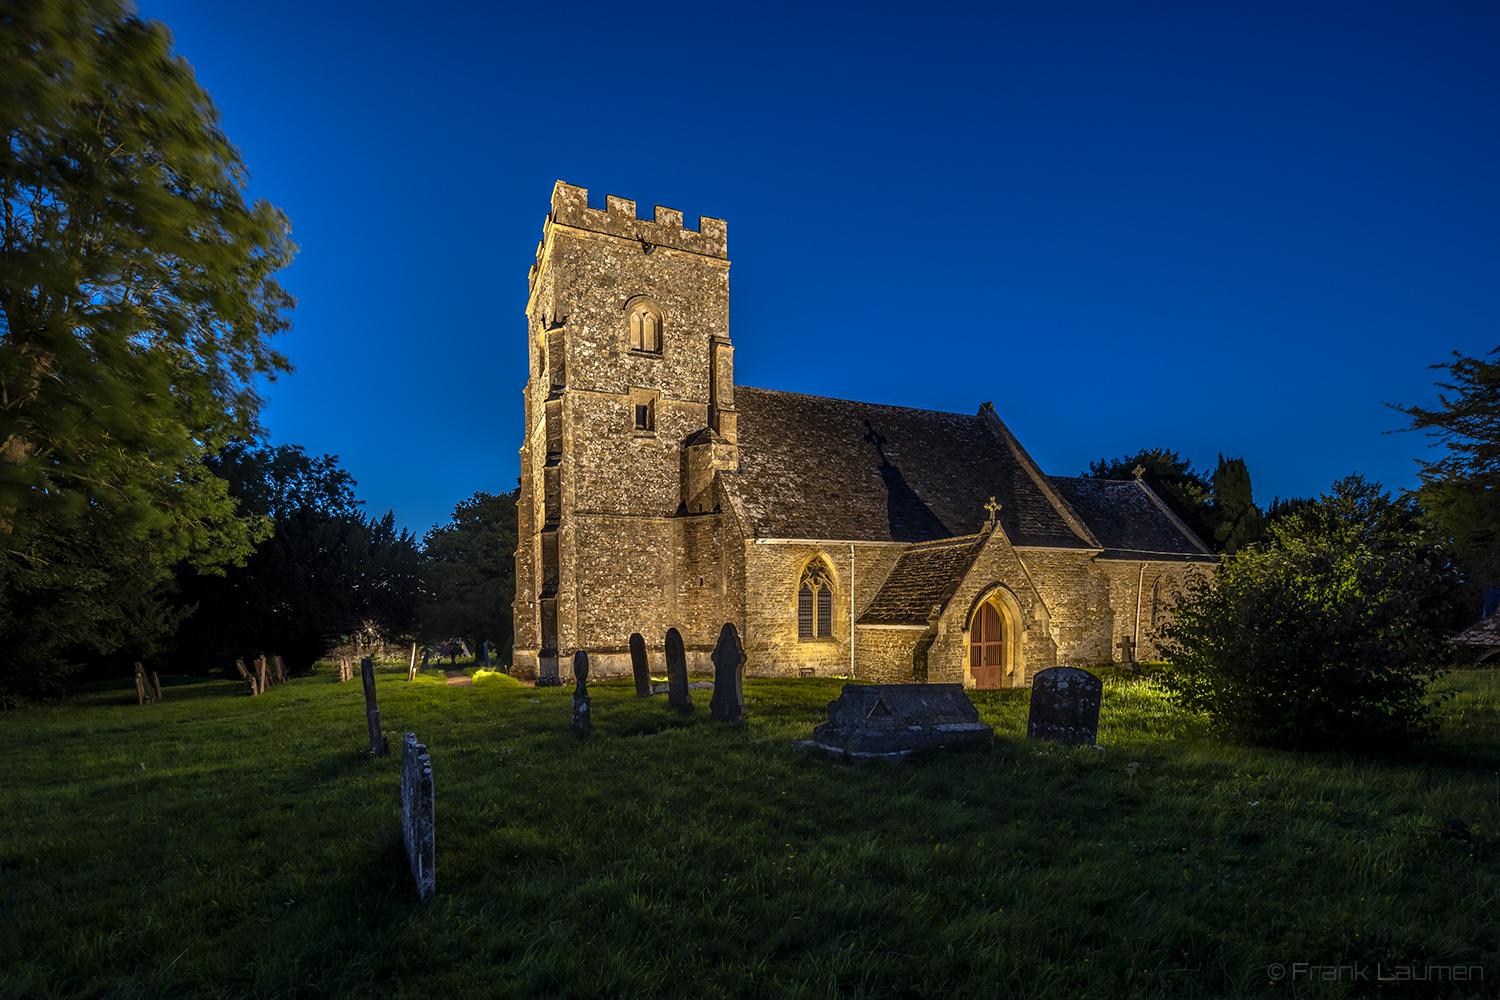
{"x": 987, "y": 648}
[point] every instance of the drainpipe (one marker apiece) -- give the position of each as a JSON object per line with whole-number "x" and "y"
{"x": 851, "y": 610}
{"x": 1139, "y": 579}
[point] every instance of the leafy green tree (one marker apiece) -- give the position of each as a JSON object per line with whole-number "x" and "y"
{"x": 136, "y": 308}
{"x": 1326, "y": 634}
{"x": 1239, "y": 521}
{"x": 470, "y": 568}
{"x": 326, "y": 571}
{"x": 1461, "y": 490}
{"x": 1186, "y": 492}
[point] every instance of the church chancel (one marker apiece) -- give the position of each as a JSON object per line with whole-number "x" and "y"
{"x": 839, "y": 537}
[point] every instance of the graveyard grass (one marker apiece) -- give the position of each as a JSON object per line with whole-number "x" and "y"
{"x": 216, "y": 845}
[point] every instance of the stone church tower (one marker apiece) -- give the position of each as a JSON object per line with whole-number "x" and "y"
{"x": 840, "y": 537}
{"x": 629, "y": 413}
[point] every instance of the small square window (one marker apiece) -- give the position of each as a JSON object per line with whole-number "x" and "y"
{"x": 643, "y": 411}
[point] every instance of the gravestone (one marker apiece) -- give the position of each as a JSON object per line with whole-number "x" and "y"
{"x": 581, "y": 720}
{"x": 677, "y": 679}
{"x": 417, "y": 814}
{"x": 378, "y": 744}
{"x": 728, "y": 702}
{"x": 248, "y": 676}
{"x": 640, "y": 665}
{"x": 1065, "y": 706}
{"x": 889, "y": 721}
{"x": 147, "y": 689}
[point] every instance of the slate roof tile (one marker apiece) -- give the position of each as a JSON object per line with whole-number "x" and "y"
{"x": 1128, "y": 519}
{"x": 926, "y": 575}
{"x": 814, "y": 467}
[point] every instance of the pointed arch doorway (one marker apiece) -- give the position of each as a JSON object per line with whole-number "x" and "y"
{"x": 987, "y": 647}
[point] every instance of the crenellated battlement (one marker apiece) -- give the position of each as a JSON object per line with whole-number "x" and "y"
{"x": 570, "y": 207}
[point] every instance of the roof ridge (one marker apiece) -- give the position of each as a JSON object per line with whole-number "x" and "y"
{"x": 861, "y": 402}
{"x": 936, "y": 543}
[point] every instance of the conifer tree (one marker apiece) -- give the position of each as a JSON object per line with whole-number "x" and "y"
{"x": 1239, "y": 521}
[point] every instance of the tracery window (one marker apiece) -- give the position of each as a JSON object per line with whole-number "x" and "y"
{"x": 645, "y": 327}
{"x": 815, "y": 602}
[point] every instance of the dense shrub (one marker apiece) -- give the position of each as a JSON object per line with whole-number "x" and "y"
{"x": 1328, "y": 633}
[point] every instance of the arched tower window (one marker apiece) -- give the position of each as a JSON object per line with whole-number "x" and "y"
{"x": 815, "y": 602}
{"x": 645, "y": 322}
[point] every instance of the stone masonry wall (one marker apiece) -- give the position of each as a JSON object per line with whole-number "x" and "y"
{"x": 773, "y": 571}
{"x": 1125, "y": 576}
{"x": 1078, "y": 597}
{"x": 884, "y": 653}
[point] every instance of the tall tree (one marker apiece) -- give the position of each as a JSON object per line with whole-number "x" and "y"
{"x": 1187, "y": 492}
{"x": 470, "y": 568}
{"x": 1461, "y": 490}
{"x": 136, "y": 308}
{"x": 1240, "y": 522}
{"x": 326, "y": 570}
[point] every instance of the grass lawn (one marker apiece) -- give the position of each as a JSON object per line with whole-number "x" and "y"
{"x": 216, "y": 845}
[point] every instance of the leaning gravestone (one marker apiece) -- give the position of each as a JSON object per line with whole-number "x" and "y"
{"x": 889, "y": 721}
{"x": 640, "y": 665}
{"x": 1065, "y": 706}
{"x": 417, "y": 814}
{"x": 728, "y": 703}
{"x": 378, "y": 744}
{"x": 581, "y": 720}
{"x": 677, "y": 681}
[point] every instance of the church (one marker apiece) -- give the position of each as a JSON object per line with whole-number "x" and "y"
{"x": 841, "y": 538}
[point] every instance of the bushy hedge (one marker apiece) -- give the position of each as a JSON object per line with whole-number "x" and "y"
{"x": 1326, "y": 634}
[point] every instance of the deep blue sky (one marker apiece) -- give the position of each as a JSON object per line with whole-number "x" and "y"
{"x": 1216, "y": 227}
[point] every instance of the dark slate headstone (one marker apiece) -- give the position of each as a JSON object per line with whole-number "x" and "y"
{"x": 417, "y": 814}
{"x": 1065, "y": 706}
{"x": 677, "y": 681}
{"x": 891, "y": 720}
{"x": 728, "y": 703}
{"x": 640, "y": 665}
{"x": 581, "y": 719}
{"x": 378, "y": 744}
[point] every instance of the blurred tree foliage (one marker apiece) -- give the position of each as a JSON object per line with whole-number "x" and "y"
{"x": 470, "y": 569}
{"x": 136, "y": 308}
{"x": 326, "y": 571}
{"x": 1325, "y": 634}
{"x": 1461, "y": 491}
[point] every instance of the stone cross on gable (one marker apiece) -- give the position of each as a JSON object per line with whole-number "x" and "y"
{"x": 993, "y": 508}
